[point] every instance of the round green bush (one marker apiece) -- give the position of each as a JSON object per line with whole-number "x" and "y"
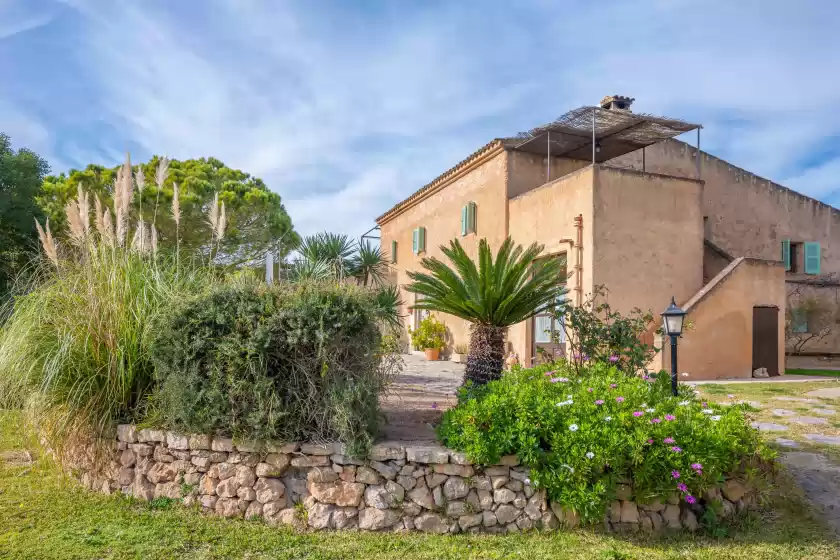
{"x": 292, "y": 362}
{"x": 583, "y": 435}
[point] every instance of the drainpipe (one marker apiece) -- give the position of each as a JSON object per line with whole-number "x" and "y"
{"x": 579, "y": 261}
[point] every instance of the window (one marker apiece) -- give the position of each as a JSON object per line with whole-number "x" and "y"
{"x": 799, "y": 257}
{"x": 799, "y": 321}
{"x": 393, "y": 251}
{"x": 419, "y": 314}
{"x": 549, "y": 336}
{"x": 418, "y": 240}
{"x": 468, "y": 218}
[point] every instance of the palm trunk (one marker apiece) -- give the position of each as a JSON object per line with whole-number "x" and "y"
{"x": 487, "y": 354}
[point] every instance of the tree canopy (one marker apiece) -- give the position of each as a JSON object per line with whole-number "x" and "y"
{"x": 256, "y": 217}
{"x": 21, "y": 175}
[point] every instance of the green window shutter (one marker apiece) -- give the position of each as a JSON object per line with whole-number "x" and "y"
{"x": 812, "y": 258}
{"x": 471, "y": 211}
{"x": 415, "y": 235}
{"x": 799, "y": 321}
{"x": 393, "y": 251}
{"x": 786, "y": 253}
{"x": 464, "y": 220}
{"x": 421, "y": 240}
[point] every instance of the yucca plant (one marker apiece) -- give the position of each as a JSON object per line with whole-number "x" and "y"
{"x": 492, "y": 295}
{"x": 369, "y": 265}
{"x": 337, "y": 250}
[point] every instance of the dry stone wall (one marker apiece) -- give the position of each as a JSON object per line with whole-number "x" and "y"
{"x": 399, "y": 487}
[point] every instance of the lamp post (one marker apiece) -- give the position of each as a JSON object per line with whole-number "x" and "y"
{"x": 672, "y": 322}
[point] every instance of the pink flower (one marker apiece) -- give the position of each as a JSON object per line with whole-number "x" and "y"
{"x": 670, "y": 417}
{"x": 650, "y": 441}
{"x": 697, "y": 466}
{"x": 690, "y": 499}
{"x": 730, "y": 396}
{"x": 590, "y": 389}
{"x": 705, "y": 405}
{"x": 656, "y": 421}
{"x": 675, "y": 474}
{"x": 613, "y": 358}
{"x": 682, "y": 487}
{"x": 637, "y": 413}
{"x": 619, "y": 399}
{"x": 599, "y": 402}
{"x": 548, "y": 373}
{"x": 676, "y": 449}
{"x": 668, "y": 440}
{"x": 613, "y": 385}
{"x": 434, "y": 405}
{"x": 559, "y": 379}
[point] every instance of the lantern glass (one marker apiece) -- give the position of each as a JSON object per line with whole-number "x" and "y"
{"x": 673, "y": 324}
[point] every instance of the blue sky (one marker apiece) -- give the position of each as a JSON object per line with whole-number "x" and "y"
{"x": 345, "y": 108}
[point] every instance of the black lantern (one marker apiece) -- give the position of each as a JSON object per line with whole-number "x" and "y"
{"x": 672, "y": 323}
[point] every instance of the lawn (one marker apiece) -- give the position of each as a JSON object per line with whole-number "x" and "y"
{"x": 44, "y": 515}
{"x": 820, "y": 372}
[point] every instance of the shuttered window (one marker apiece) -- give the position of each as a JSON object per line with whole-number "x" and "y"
{"x": 786, "y": 253}
{"x": 468, "y": 213}
{"x": 812, "y": 258}
{"x": 393, "y": 251}
{"x": 418, "y": 240}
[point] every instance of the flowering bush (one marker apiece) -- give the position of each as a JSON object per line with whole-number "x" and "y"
{"x": 582, "y": 435}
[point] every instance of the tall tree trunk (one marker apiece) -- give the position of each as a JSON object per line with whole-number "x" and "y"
{"x": 486, "y": 358}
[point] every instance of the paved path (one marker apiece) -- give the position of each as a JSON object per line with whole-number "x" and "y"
{"x": 418, "y": 396}
{"x": 820, "y": 480}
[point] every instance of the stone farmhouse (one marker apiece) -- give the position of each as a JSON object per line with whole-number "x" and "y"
{"x": 648, "y": 217}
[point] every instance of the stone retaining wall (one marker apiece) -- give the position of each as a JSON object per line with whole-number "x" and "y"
{"x": 400, "y": 487}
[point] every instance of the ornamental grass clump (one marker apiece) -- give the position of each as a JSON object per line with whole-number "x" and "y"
{"x": 581, "y": 435}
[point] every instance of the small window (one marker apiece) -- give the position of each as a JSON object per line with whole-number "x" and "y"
{"x": 468, "y": 213}
{"x": 418, "y": 241}
{"x": 393, "y": 251}
{"x": 799, "y": 321}
{"x": 795, "y": 252}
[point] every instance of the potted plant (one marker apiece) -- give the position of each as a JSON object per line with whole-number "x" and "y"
{"x": 459, "y": 354}
{"x": 429, "y": 336}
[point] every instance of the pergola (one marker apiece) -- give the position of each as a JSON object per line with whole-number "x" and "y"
{"x": 600, "y": 135}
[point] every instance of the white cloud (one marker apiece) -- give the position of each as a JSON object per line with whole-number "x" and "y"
{"x": 345, "y": 112}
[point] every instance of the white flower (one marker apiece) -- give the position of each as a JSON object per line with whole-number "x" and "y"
{"x": 650, "y": 410}
{"x": 571, "y": 470}
{"x": 589, "y": 455}
{"x": 684, "y": 374}
{"x": 527, "y": 481}
{"x": 644, "y": 405}
{"x": 607, "y": 418}
{"x": 708, "y": 411}
{"x": 683, "y": 403}
{"x": 716, "y": 417}
{"x": 569, "y": 397}
{"x": 564, "y": 403}
{"x": 573, "y": 428}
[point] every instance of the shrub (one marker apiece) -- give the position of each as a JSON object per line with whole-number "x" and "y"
{"x": 431, "y": 333}
{"x": 583, "y": 434}
{"x": 74, "y": 349}
{"x": 596, "y": 332}
{"x": 290, "y": 362}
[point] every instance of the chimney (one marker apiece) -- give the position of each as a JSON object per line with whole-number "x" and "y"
{"x": 617, "y": 103}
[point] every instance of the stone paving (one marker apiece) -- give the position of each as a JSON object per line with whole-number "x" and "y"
{"x": 820, "y": 480}
{"x": 418, "y": 396}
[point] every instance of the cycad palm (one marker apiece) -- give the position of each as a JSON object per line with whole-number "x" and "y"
{"x": 493, "y": 295}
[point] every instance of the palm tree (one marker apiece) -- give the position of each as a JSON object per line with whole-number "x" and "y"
{"x": 492, "y": 296}
{"x": 369, "y": 264}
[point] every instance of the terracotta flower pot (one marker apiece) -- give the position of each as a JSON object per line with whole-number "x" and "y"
{"x": 432, "y": 354}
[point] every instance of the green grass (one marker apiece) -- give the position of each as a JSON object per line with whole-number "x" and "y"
{"x": 820, "y": 372}
{"x": 45, "y": 516}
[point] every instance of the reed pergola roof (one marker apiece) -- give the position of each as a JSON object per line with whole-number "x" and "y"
{"x": 616, "y": 133}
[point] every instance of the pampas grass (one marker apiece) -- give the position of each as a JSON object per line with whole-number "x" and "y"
{"x": 47, "y": 242}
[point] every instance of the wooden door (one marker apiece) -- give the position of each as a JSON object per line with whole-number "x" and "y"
{"x": 765, "y": 343}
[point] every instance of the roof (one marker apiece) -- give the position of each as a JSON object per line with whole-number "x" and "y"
{"x": 617, "y": 132}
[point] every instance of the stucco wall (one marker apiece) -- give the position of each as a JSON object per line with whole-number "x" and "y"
{"x": 828, "y": 298}
{"x": 546, "y": 215}
{"x": 648, "y": 238}
{"x": 527, "y": 171}
{"x": 719, "y": 343}
{"x": 440, "y": 214}
{"x": 747, "y": 215}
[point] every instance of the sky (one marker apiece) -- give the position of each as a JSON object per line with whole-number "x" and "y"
{"x": 345, "y": 108}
